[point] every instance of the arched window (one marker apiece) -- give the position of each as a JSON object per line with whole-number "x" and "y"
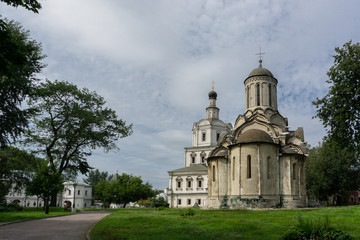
{"x": 213, "y": 173}
{"x": 258, "y": 94}
{"x": 268, "y": 167}
{"x": 270, "y": 95}
{"x": 294, "y": 171}
{"x": 248, "y": 166}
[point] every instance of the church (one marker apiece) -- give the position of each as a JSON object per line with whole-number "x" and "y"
{"x": 258, "y": 163}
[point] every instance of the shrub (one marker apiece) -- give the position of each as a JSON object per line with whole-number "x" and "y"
{"x": 187, "y": 212}
{"x": 10, "y": 208}
{"x": 320, "y": 230}
{"x": 159, "y": 202}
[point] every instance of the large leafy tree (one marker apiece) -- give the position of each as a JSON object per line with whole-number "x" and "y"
{"x": 123, "y": 189}
{"x": 70, "y": 123}
{"x": 339, "y": 110}
{"x": 331, "y": 172}
{"x": 16, "y": 168}
{"x": 20, "y": 61}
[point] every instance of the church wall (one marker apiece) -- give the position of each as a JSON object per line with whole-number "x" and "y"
{"x": 269, "y": 170}
{"x": 235, "y": 170}
{"x": 249, "y": 184}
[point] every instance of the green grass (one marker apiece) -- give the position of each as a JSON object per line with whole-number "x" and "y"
{"x": 29, "y": 213}
{"x": 217, "y": 224}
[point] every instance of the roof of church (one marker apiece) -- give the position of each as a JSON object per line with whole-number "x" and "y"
{"x": 254, "y": 135}
{"x": 260, "y": 71}
{"x": 192, "y": 168}
{"x": 212, "y": 94}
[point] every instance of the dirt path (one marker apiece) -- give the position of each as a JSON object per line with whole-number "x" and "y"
{"x": 69, "y": 227}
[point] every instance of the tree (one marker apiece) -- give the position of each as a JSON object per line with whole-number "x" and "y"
{"x": 20, "y": 60}
{"x": 330, "y": 172}
{"x": 125, "y": 189}
{"x": 339, "y": 110}
{"x": 32, "y": 5}
{"x": 69, "y": 124}
{"x": 94, "y": 177}
{"x": 16, "y": 167}
{"x": 45, "y": 183}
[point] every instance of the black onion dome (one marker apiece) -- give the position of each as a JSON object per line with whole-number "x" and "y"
{"x": 212, "y": 94}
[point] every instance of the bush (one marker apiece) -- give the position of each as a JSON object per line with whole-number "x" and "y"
{"x": 159, "y": 202}
{"x": 11, "y": 208}
{"x": 320, "y": 230}
{"x": 187, "y": 212}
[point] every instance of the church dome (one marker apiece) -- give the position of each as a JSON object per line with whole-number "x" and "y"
{"x": 212, "y": 94}
{"x": 254, "y": 135}
{"x": 260, "y": 71}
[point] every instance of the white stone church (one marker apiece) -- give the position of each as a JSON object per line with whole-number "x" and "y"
{"x": 258, "y": 163}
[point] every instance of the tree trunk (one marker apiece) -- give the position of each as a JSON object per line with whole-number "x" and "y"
{"x": 124, "y": 205}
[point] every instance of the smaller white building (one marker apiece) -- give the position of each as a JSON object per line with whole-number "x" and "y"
{"x": 82, "y": 191}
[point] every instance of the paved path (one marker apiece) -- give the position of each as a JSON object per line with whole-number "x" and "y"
{"x": 69, "y": 227}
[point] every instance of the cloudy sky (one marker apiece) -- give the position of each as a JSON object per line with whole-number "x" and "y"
{"x": 153, "y": 62}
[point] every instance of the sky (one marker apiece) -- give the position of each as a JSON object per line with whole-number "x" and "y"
{"x": 154, "y": 61}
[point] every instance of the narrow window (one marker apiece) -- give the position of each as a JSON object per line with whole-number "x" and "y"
{"x": 269, "y": 95}
{"x": 189, "y": 201}
{"x": 192, "y": 159}
{"x": 69, "y": 192}
{"x": 248, "y": 166}
{"x": 258, "y": 94}
{"x": 213, "y": 173}
{"x": 179, "y": 201}
{"x": 268, "y": 167}
{"x": 202, "y": 159}
{"x": 248, "y": 97}
{"x": 86, "y": 193}
{"x": 233, "y": 168}
{"x": 78, "y": 192}
{"x": 294, "y": 171}
{"x": 217, "y": 137}
{"x": 179, "y": 184}
{"x": 203, "y": 137}
{"x": 189, "y": 184}
{"x": 199, "y": 184}
{"x": 199, "y": 201}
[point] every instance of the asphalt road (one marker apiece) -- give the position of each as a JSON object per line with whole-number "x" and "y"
{"x": 69, "y": 227}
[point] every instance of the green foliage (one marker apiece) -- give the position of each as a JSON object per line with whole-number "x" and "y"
{"x": 331, "y": 172}
{"x": 70, "y": 123}
{"x": 187, "y": 212}
{"x": 20, "y": 61}
{"x": 126, "y": 188}
{"x": 310, "y": 229}
{"x": 16, "y": 167}
{"x": 94, "y": 177}
{"x": 159, "y": 202}
{"x": 10, "y": 208}
{"x": 31, "y": 5}
{"x": 339, "y": 110}
{"x": 44, "y": 184}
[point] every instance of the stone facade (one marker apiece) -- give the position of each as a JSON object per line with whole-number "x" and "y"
{"x": 261, "y": 163}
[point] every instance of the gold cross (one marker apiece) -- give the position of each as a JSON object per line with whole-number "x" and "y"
{"x": 260, "y": 54}
{"x": 212, "y": 85}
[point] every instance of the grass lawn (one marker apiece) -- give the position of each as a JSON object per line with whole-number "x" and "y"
{"x": 30, "y": 212}
{"x": 217, "y": 224}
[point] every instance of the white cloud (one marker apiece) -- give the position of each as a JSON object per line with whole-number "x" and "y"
{"x": 153, "y": 61}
